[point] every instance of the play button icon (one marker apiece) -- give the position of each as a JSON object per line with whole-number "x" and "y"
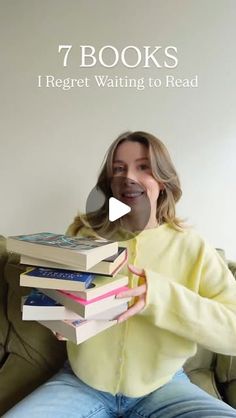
{"x": 117, "y": 209}
{"x": 118, "y": 206}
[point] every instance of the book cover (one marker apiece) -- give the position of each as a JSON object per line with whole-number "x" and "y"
{"x": 87, "y": 308}
{"x": 109, "y": 266}
{"x": 62, "y": 249}
{"x": 56, "y": 279}
{"x": 38, "y": 306}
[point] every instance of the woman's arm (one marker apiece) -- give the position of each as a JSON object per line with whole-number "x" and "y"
{"x": 207, "y": 317}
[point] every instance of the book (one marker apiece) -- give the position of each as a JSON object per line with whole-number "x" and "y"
{"x": 87, "y": 308}
{"x": 55, "y": 279}
{"x": 62, "y": 249}
{"x": 101, "y": 285}
{"x": 80, "y": 330}
{"x": 38, "y": 306}
{"x": 107, "y": 267}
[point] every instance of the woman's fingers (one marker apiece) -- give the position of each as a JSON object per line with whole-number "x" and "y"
{"x": 134, "y": 291}
{"x": 136, "y": 270}
{"x": 59, "y": 336}
{"x": 137, "y": 307}
{"x": 139, "y": 292}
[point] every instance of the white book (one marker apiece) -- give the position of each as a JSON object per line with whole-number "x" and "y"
{"x": 109, "y": 266}
{"x": 62, "y": 249}
{"x": 38, "y": 306}
{"x": 78, "y": 331}
{"x": 84, "y": 308}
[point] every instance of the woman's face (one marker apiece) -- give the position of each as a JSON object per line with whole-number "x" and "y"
{"x": 132, "y": 175}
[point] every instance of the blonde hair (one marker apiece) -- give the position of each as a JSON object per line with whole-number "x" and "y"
{"x": 163, "y": 171}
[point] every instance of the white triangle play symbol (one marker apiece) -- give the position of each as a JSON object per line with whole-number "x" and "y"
{"x": 117, "y": 209}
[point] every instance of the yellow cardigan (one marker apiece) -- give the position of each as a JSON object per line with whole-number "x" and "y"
{"x": 191, "y": 299}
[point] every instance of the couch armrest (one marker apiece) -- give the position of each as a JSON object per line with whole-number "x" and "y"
{"x": 4, "y": 324}
{"x": 232, "y": 267}
{"x": 205, "y": 379}
{"x": 225, "y": 368}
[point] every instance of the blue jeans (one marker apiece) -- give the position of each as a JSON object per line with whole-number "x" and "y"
{"x": 64, "y": 395}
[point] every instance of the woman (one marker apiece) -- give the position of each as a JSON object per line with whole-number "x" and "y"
{"x": 183, "y": 293}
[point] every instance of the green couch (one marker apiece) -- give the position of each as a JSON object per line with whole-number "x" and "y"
{"x": 30, "y": 354}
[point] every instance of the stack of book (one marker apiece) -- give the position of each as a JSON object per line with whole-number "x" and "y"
{"x": 75, "y": 282}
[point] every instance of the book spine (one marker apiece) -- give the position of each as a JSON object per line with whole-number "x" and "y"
{"x": 85, "y": 311}
{"x": 96, "y": 299}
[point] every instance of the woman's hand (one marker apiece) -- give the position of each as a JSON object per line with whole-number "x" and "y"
{"x": 59, "y": 336}
{"x": 138, "y": 292}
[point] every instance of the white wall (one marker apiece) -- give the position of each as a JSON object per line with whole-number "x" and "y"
{"x": 53, "y": 141}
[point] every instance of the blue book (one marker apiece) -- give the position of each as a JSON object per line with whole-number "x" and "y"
{"x": 36, "y": 298}
{"x": 37, "y": 306}
{"x": 49, "y": 278}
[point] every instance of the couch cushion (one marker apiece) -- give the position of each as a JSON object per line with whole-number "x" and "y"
{"x": 200, "y": 370}
{"x": 19, "y": 377}
{"x": 229, "y": 392}
{"x": 28, "y": 338}
{"x": 225, "y": 368}
{"x": 32, "y": 351}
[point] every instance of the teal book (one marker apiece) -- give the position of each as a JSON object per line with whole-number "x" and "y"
{"x": 62, "y": 249}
